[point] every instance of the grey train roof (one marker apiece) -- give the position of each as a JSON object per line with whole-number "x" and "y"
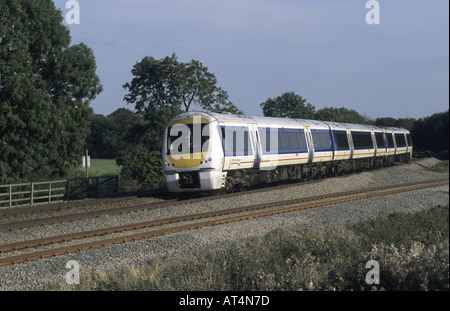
{"x": 302, "y": 122}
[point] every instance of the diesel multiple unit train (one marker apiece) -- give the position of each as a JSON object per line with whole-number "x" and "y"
{"x": 205, "y": 151}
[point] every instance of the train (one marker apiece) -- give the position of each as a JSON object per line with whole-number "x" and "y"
{"x": 209, "y": 152}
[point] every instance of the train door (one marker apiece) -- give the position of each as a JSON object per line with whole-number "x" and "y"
{"x": 380, "y": 143}
{"x": 391, "y": 149}
{"x": 256, "y": 145}
{"x": 309, "y": 143}
{"x": 350, "y": 143}
{"x": 333, "y": 143}
{"x": 226, "y": 162}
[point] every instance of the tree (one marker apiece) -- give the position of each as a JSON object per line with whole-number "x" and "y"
{"x": 288, "y": 105}
{"x": 110, "y": 136}
{"x": 161, "y": 89}
{"x": 431, "y": 133}
{"x": 45, "y": 90}
{"x": 342, "y": 114}
{"x": 172, "y": 86}
{"x": 406, "y": 123}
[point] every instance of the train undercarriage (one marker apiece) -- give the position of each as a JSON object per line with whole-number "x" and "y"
{"x": 244, "y": 179}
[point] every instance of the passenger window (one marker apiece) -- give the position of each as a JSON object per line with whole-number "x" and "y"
{"x": 341, "y": 140}
{"x": 321, "y": 140}
{"x": 380, "y": 140}
{"x": 390, "y": 140}
{"x": 362, "y": 140}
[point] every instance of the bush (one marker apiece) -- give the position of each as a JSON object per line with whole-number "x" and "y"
{"x": 413, "y": 267}
{"x": 142, "y": 169}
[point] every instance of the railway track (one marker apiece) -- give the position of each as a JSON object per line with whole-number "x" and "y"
{"x": 12, "y": 218}
{"x": 190, "y": 222}
{"x": 161, "y": 196}
{"x": 94, "y": 212}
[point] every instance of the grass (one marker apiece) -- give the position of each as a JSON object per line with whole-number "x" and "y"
{"x": 412, "y": 251}
{"x": 101, "y": 167}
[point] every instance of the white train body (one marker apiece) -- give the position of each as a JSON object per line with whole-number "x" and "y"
{"x": 205, "y": 151}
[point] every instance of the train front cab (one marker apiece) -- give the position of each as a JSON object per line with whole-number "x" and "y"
{"x": 189, "y": 160}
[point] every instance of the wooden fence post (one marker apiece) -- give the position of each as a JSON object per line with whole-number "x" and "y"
{"x": 31, "y": 194}
{"x": 67, "y": 190}
{"x": 10, "y": 195}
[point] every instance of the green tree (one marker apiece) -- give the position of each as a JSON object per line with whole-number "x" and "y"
{"x": 342, "y": 114}
{"x": 172, "y": 86}
{"x": 45, "y": 90}
{"x": 288, "y": 105}
{"x": 406, "y": 123}
{"x": 161, "y": 89}
{"x": 111, "y": 136}
{"x": 431, "y": 133}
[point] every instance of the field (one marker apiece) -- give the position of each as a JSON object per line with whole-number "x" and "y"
{"x": 100, "y": 167}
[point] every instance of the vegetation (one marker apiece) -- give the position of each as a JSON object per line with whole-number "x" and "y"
{"x": 431, "y": 133}
{"x": 341, "y": 115}
{"x": 142, "y": 170}
{"x": 407, "y": 123}
{"x": 171, "y": 86}
{"x": 46, "y": 86}
{"x": 113, "y": 136}
{"x": 412, "y": 251}
{"x": 99, "y": 167}
{"x": 161, "y": 89}
{"x": 288, "y": 105}
{"x": 441, "y": 167}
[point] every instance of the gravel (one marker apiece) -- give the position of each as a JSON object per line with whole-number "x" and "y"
{"x": 38, "y": 274}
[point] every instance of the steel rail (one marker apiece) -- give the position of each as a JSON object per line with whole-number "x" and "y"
{"x": 128, "y": 209}
{"x": 174, "y": 202}
{"x": 104, "y": 231}
{"x": 173, "y": 220}
{"x": 124, "y": 197}
{"x": 139, "y": 236}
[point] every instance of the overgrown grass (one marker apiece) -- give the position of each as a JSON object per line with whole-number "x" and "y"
{"x": 412, "y": 251}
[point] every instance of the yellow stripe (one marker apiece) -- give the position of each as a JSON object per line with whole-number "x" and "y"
{"x": 188, "y": 160}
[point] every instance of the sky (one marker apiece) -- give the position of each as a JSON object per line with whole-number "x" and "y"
{"x": 323, "y": 50}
